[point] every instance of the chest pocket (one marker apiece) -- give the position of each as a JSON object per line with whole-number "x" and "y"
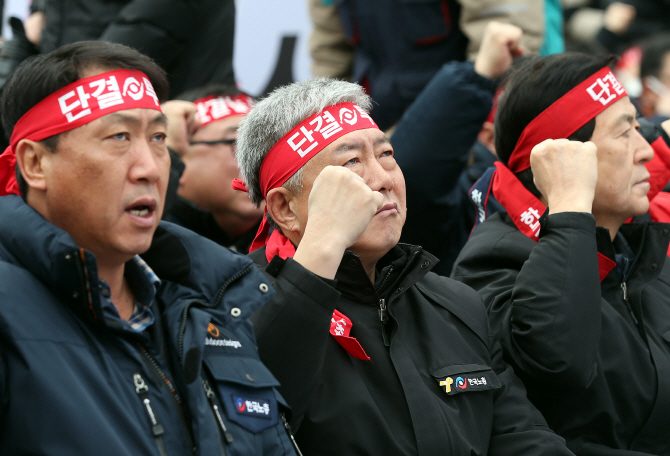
{"x": 466, "y": 378}
{"x": 246, "y": 390}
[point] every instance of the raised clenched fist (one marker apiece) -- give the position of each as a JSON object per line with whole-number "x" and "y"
{"x": 566, "y": 173}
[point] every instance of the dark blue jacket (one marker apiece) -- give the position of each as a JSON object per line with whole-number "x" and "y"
{"x": 432, "y": 145}
{"x": 400, "y": 45}
{"x": 72, "y": 382}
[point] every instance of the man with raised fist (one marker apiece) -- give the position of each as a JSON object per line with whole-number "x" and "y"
{"x": 375, "y": 353}
{"x": 578, "y": 297}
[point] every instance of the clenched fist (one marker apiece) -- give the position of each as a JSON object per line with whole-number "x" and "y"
{"x": 340, "y": 207}
{"x": 566, "y": 173}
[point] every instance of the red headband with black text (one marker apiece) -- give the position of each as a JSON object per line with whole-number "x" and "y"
{"x": 299, "y": 145}
{"x": 73, "y": 106}
{"x": 567, "y": 114}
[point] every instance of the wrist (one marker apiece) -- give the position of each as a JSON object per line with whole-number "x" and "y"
{"x": 320, "y": 255}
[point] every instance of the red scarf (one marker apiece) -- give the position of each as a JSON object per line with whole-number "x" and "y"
{"x": 525, "y": 210}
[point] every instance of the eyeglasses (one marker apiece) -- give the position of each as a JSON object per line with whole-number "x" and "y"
{"x": 657, "y": 86}
{"x": 230, "y": 142}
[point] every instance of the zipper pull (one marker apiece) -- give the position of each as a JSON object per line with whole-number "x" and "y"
{"x": 142, "y": 390}
{"x": 215, "y": 408}
{"x": 383, "y": 317}
{"x": 290, "y": 434}
{"x": 624, "y": 289}
{"x": 140, "y": 386}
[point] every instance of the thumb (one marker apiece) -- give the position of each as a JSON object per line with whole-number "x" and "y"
{"x": 379, "y": 199}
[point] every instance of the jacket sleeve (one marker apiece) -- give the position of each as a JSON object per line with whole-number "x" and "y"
{"x": 543, "y": 299}
{"x": 529, "y": 16}
{"x": 518, "y": 427}
{"x": 161, "y": 29}
{"x": 432, "y": 143}
{"x": 332, "y": 54}
{"x": 292, "y": 330}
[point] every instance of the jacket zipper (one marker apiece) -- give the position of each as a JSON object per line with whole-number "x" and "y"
{"x": 211, "y": 397}
{"x": 383, "y": 317}
{"x": 624, "y": 290}
{"x": 290, "y": 434}
{"x": 173, "y": 393}
{"x": 142, "y": 391}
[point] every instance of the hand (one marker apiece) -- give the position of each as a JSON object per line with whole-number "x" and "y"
{"x": 666, "y": 126}
{"x": 182, "y": 123}
{"x": 34, "y": 26}
{"x": 618, "y": 17}
{"x": 340, "y": 207}
{"x": 500, "y": 45}
{"x": 566, "y": 173}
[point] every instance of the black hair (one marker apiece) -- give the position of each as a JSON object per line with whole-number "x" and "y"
{"x": 531, "y": 88}
{"x": 39, "y": 76}
{"x": 653, "y": 51}
{"x": 216, "y": 90}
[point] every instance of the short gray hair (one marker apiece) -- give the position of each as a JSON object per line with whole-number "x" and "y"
{"x": 278, "y": 113}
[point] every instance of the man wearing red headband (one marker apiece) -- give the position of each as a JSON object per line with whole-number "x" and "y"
{"x": 375, "y": 353}
{"x": 205, "y": 201}
{"x": 104, "y": 351}
{"x": 579, "y": 298}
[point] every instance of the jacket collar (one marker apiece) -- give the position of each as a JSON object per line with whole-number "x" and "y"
{"x": 399, "y": 269}
{"x": 50, "y": 254}
{"x": 649, "y": 241}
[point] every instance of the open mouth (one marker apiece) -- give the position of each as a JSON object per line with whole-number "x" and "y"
{"x": 142, "y": 208}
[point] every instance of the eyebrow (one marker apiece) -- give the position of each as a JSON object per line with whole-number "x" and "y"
{"x": 625, "y": 118}
{"x": 359, "y": 145}
{"x": 119, "y": 117}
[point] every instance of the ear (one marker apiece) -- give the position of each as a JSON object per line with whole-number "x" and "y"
{"x": 486, "y": 136}
{"x": 31, "y": 158}
{"x": 280, "y": 205}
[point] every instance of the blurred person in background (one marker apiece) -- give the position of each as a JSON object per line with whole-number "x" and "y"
{"x": 203, "y": 132}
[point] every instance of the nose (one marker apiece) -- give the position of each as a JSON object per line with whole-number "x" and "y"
{"x": 377, "y": 177}
{"x": 146, "y": 166}
{"x": 643, "y": 152}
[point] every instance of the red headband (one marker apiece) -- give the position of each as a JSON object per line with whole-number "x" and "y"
{"x": 567, "y": 114}
{"x": 299, "y": 145}
{"x": 213, "y": 108}
{"x": 73, "y": 106}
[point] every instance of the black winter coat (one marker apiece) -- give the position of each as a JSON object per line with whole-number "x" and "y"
{"x": 435, "y": 383}
{"x": 595, "y": 357}
{"x": 191, "y": 40}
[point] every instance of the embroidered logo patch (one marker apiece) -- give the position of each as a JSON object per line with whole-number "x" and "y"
{"x": 223, "y": 342}
{"x": 476, "y": 381}
{"x": 252, "y": 407}
{"x": 213, "y": 330}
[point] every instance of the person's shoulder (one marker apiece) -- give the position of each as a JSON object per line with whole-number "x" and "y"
{"x": 183, "y": 256}
{"x": 457, "y": 298}
{"x": 497, "y": 237}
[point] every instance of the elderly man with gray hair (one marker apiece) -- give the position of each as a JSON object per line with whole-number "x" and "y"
{"x": 375, "y": 354}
